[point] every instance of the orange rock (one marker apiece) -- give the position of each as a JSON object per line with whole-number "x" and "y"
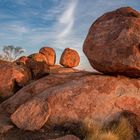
{"x": 112, "y": 45}
{"x": 70, "y": 58}
{"x": 38, "y": 57}
{"x": 12, "y": 78}
{"x": 31, "y": 115}
{"x": 22, "y": 60}
{"x": 38, "y": 64}
{"x": 75, "y": 97}
{"x": 50, "y": 55}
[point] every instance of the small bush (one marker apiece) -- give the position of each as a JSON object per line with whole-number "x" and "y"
{"x": 121, "y": 130}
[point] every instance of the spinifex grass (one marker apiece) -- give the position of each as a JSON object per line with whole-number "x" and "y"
{"x": 121, "y": 130}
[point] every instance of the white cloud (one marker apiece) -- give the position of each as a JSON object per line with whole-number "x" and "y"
{"x": 67, "y": 24}
{"x": 67, "y": 19}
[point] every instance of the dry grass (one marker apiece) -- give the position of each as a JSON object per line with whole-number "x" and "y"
{"x": 121, "y": 130}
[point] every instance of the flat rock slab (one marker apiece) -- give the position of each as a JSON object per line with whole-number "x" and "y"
{"x": 32, "y": 115}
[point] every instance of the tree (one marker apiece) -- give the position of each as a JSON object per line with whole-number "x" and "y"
{"x": 11, "y": 53}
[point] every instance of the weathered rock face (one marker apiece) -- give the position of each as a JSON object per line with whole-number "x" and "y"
{"x": 12, "y": 77}
{"x": 38, "y": 57}
{"x": 50, "y": 55}
{"x": 85, "y": 96}
{"x": 22, "y": 60}
{"x": 37, "y": 87}
{"x": 38, "y": 64}
{"x": 60, "y": 69}
{"x": 33, "y": 115}
{"x": 112, "y": 45}
{"x": 70, "y": 58}
{"x": 10, "y": 105}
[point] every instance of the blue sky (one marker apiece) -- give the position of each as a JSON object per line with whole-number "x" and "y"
{"x": 32, "y": 24}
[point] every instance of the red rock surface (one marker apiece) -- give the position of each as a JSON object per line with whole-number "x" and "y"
{"x": 12, "y": 77}
{"x": 37, "y": 87}
{"x": 22, "y": 60}
{"x": 70, "y": 58}
{"x": 31, "y": 115}
{"x": 80, "y": 96}
{"x": 112, "y": 45}
{"x": 50, "y": 55}
{"x": 60, "y": 69}
{"x": 38, "y": 64}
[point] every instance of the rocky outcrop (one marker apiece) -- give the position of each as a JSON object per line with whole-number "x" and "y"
{"x": 67, "y": 99}
{"x": 79, "y": 96}
{"x": 10, "y": 105}
{"x": 37, "y": 87}
{"x": 50, "y": 55}
{"x": 112, "y": 45}
{"x": 12, "y": 78}
{"x": 69, "y": 58}
{"x": 38, "y": 64}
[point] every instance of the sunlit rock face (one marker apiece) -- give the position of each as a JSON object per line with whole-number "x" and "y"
{"x": 70, "y": 58}
{"x": 112, "y": 45}
{"x": 50, "y": 55}
{"x": 12, "y": 77}
{"x": 38, "y": 64}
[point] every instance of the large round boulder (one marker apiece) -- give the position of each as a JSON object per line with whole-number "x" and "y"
{"x": 37, "y": 62}
{"x": 112, "y": 45}
{"x": 76, "y": 97}
{"x": 70, "y": 58}
{"x": 12, "y": 78}
{"x": 50, "y": 55}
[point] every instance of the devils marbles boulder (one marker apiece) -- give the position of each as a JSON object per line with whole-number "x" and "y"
{"x": 70, "y": 58}
{"x": 38, "y": 64}
{"x": 12, "y": 77}
{"x": 88, "y": 96}
{"x": 36, "y": 112}
{"x": 22, "y": 60}
{"x": 112, "y": 45}
{"x": 50, "y": 55}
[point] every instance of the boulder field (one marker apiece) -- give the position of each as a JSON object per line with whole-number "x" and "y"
{"x": 53, "y": 102}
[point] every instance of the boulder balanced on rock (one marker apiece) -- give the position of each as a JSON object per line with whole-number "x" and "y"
{"x": 38, "y": 64}
{"x": 112, "y": 45}
{"x": 70, "y": 58}
{"x": 50, "y": 55}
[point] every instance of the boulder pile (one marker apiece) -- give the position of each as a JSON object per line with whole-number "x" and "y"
{"x": 24, "y": 70}
{"x": 61, "y": 99}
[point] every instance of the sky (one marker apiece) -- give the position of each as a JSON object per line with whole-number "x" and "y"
{"x": 59, "y": 24}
